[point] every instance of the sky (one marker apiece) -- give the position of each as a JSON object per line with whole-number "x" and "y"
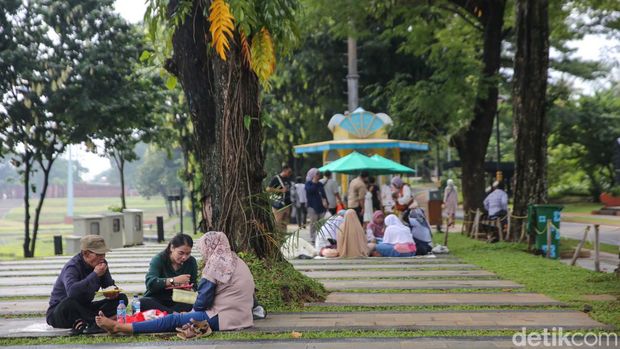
{"x": 591, "y": 47}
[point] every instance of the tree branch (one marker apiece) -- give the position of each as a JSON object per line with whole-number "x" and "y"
{"x": 462, "y": 15}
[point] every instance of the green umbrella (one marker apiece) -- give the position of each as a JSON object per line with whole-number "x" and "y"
{"x": 355, "y": 163}
{"x": 394, "y": 166}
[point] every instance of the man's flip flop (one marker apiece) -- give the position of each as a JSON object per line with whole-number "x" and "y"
{"x": 78, "y": 327}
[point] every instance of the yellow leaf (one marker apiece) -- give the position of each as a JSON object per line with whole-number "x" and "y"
{"x": 245, "y": 49}
{"x": 295, "y": 334}
{"x": 221, "y": 27}
{"x": 263, "y": 56}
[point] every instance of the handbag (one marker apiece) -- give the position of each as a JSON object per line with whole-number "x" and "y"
{"x": 277, "y": 199}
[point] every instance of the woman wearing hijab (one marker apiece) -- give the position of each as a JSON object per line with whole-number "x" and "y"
{"x": 420, "y": 229}
{"x": 316, "y": 198}
{"x": 450, "y": 202}
{"x": 327, "y": 237}
{"x": 225, "y": 294}
{"x": 376, "y": 228}
{"x": 351, "y": 240}
{"x": 397, "y": 240}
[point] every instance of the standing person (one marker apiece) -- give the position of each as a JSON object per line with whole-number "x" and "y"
{"x": 301, "y": 202}
{"x": 386, "y": 198}
{"x": 496, "y": 203}
{"x": 71, "y": 303}
{"x": 367, "y": 208}
{"x": 450, "y": 202}
{"x": 357, "y": 194}
{"x": 331, "y": 191}
{"x": 174, "y": 266}
{"x": 373, "y": 188}
{"x": 317, "y": 201}
{"x": 224, "y": 301}
{"x": 280, "y": 188}
{"x": 401, "y": 192}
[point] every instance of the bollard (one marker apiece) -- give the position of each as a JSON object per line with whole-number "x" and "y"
{"x": 160, "y": 229}
{"x": 58, "y": 245}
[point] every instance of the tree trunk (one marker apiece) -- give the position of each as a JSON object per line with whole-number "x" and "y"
{"x": 471, "y": 142}
{"x": 120, "y": 163}
{"x": 28, "y": 167}
{"x": 529, "y": 105}
{"x": 220, "y": 94}
{"x": 37, "y": 212}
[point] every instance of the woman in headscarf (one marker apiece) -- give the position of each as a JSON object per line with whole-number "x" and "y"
{"x": 316, "y": 198}
{"x": 376, "y": 228}
{"x": 420, "y": 229}
{"x": 327, "y": 237}
{"x": 351, "y": 240}
{"x": 225, "y": 294}
{"x": 401, "y": 192}
{"x": 450, "y": 202}
{"x": 397, "y": 240}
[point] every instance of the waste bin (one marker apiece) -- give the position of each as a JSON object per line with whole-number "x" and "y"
{"x": 87, "y": 225}
{"x": 537, "y": 216}
{"x": 434, "y": 208}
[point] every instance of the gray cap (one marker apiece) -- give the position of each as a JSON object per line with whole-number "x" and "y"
{"x": 93, "y": 243}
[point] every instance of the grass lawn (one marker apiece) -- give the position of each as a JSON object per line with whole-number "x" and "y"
{"x": 582, "y": 207}
{"x": 566, "y": 243}
{"x": 550, "y": 277}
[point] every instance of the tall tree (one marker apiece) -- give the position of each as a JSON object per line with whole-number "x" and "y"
{"x": 531, "y": 126}
{"x": 222, "y": 90}
{"x": 56, "y": 84}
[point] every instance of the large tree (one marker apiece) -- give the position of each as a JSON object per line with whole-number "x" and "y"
{"x": 57, "y": 84}
{"x": 222, "y": 87}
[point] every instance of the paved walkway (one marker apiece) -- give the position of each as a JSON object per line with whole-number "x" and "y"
{"x": 361, "y": 277}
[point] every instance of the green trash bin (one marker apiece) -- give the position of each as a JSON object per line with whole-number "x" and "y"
{"x": 537, "y": 216}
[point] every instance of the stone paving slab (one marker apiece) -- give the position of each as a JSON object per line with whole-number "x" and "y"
{"x": 416, "y": 284}
{"x": 384, "y": 266}
{"x": 38, "y": 262}
{"x": 374, "y": 260}
{"x": 449, "y": 320}
{"x": 379, "y": 299}
{"x": 392, "y": 273}
{"x": 46, "y": 290}
{"x": 48, "y": 266}
{"x": 50, "y": 280}
{"x": 35, "y": 306}
{"x": 54, "y": 272}
{"x": 331, "y": 343}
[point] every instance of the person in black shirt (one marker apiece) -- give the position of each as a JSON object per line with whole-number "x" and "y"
{"x": 280, "y": 190}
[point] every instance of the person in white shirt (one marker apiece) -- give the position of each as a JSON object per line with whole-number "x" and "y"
{"x": 331, "y": 192}
{"x": 386, "y": 198}
{"x": 397, "y": 240}
{"x": 326, "y": 237}
{"x": 496, "y": 203}
{"x": 300, "y": 202}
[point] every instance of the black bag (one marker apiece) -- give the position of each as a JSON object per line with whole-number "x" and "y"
{"x": 277, "y": 199}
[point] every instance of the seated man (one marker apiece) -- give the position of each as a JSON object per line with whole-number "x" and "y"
{"x": 71, "y": 303}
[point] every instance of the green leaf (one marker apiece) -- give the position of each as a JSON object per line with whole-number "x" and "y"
{"x": 145, "y": 55}
{"x": 171, "y": 82}
{"x": 246, "y": 121}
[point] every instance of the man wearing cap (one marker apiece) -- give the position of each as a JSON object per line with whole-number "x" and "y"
{"x": 71, "y": 303}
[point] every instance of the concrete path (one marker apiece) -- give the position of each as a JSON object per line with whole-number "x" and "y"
{"x": 384, "y": 266}
{"x": 379, "y": 299}
{"x": 416, "y": 284}
{"x": 329, "y": 343}
{"x": 393, "y": 274}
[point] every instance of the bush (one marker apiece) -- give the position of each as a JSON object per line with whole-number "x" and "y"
{"x": 279, "y": 287}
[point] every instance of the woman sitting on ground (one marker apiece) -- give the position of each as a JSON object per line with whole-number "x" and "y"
{"x": 225, "y": 294}
{"x": 420, "y": 230}
{"x": 325, "y": 242}
{"x": 350, "y": 239}
{"x": 376, "y": 228}
{"x": 397, "y": 240}
{"x": 172, "y": 267}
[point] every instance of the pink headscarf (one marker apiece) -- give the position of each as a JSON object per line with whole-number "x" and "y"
{"x": 220, "y": 260}
{"x": 377, "y": 228}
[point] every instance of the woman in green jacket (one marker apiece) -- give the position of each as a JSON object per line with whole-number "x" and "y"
{"x": 172, "y": 267}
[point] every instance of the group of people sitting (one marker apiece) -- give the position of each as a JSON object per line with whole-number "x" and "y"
{"x": 342, "y": 235}
{"x": 225, "y": 290}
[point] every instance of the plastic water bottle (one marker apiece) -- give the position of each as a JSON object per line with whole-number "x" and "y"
{"x": 135, "y": 305}
{"x": 121, "y": 312}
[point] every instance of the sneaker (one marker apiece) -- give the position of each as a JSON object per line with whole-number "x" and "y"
{"x": 93, "y": 329}
{"x": 259, "y": 312}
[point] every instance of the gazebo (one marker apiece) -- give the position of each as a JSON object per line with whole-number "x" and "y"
{"x": 361, "y": 131}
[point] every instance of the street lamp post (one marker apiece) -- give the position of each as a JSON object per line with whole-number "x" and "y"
{"x": 498, "y": 173}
